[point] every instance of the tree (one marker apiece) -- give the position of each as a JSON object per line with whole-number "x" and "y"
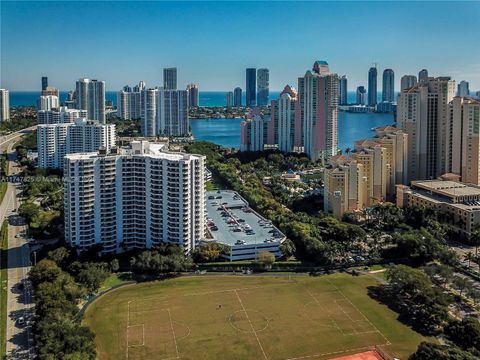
{"x": 287, "y": 248}
{"x": 461, "y": 284}
{"x": 265, "y": 259}
{"x": 469, "y": 257}
{"x": 431, "y": 351}
{"x": 162, "y": 260}
{"x": 45, "y": 271}
{"x": 465, "y": 333}
{"x": 209, "y": 252}
{"x": 59, "y": 255}
{"x": 92, "y": 275}
{"x": 114, "y": 265}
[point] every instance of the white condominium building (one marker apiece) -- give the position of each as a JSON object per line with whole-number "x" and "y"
{"x": 62, "y": 115}
{"x": 165, "y": 112}
{"x": 91, "y": 97}
{"x": 134, "y": 198}
{"x": 130, "y": 102}
{"x": 286, "y": 117}
{"x": 48, "y": 102}
{"x": 4, "y": 105}
{"x": 57, "y": 140}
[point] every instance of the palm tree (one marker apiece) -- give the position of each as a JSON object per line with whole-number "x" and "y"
{"x": 469, "y": 257}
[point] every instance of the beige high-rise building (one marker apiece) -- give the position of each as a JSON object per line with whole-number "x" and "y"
{"x": 465, "y": 144}
{"x": 423, "y": 113}
{"x": 4, "y": 105}
{"x": 368, "y": 175}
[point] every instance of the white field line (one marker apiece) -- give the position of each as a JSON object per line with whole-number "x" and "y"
{"x": 173, "y": 332}
{"x": 143, "y": 335}
{"x": 356, "y": 308}
{"x": 239, "y": 289}
{"x": 331, "y": 318}
{"x": 251, "y": 325}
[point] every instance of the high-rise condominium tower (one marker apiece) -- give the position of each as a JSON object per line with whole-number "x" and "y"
{"x": 343, "y": 90}
{"x": 44, "y": 83}
{"x": 193, "y": 95}
{"x": 62, "y": 115}
{"x": 263, "y": 79}
{"x": 372, "y": 86}
{"x": 285, "y": 117}
{"x": 47, "y": 102}
{"x": 4, "y": 105}
{"x": 165, "y": 113}
{"x": 57, "y": 140}
{"x": 423, "y": 75}
{"x": 251, "y": 86}
{"x": 463, "y": 88}
{"x": 91, "y": 97}
{"x": 318, "y": 100}
{"x": 130, "y": 102}
{"x": 237, "y": 97}
{"x": 361, "y": 95}
{"x": 423, "y": 113}
{"x": 170, "y": 78}
{"x": 407, "y": 81}
{"x": 388, "y": 85}
{"x": 140, "y": 197}
{"x": 229, "y": 99}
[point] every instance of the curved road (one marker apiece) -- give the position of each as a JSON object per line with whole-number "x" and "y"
{"x": 19, "y": 299}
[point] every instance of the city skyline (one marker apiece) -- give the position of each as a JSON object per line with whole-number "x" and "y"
{"x": 107, "y": 25}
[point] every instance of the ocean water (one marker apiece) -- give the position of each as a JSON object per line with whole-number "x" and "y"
{"x": 207, "y": 98}
{"x": 351, "y": 127}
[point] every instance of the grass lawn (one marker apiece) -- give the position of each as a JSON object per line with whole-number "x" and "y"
{"x": 246, "y": 317}
{"x": 4, "y": 287}
{"x": 114, "y": 280}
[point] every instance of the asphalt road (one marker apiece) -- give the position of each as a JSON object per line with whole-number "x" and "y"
{"x": 19, "y": 296}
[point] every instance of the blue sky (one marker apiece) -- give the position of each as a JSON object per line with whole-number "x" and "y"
{"x": 211, "y": 43}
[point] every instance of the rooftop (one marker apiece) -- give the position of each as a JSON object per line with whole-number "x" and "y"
{"x": 449, "y": 189}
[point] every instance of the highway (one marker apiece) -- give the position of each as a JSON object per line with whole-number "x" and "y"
{"x": 19, "y": 295}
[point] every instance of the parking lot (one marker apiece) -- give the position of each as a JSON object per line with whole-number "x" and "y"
{"x": 233, "y": 223}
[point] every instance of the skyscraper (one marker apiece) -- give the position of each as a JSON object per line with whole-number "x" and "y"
{"x": 343, "y": 90}
{"x": 285, "y": 116}
{"x": 165, "y": 113}
{"x": 193, "y": 95}
{"x": 140, "y": 197}
{"x": 361, "y": 95}
{"x": 237, "y": 97}
{"x": 423, "y": 113}
{"x": 4, "y": 105}
{"x": 372, "y": 86}
{"x": 251, "y": 86}
{"x": 463, "y": 88}
{"x": 229, "y": 99}
{"x": 388, "y": 85}
{"x": 263, "y": 78}
{"x": 130, "y": 102}
{"x": 318, "y": 100}
{"x": 423, "y": 75}
{"x": 47, "y": 102}
{"x": 407, "y": 81}
{"x": 91, "y": 97}
{"x": 44, "y": 82}
{"x": 170, "y": 78}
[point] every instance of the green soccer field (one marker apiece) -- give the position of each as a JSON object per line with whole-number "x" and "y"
{"x": 242, "y": 317}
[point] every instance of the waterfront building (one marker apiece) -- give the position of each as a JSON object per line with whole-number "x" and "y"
{"x": 229, "y": 99}
{"x": 134, "y": 198}
{"x": 50, "y": 90}
{"x": 4, "y": 105}
{"x": 57, "y": 140}
{"x": 464, "y": 146}
{"x": 285, "y": 113}
{"x": 318, "y": 101}
{"x": 170, "y": 78}
{"x": 423, "y": 75}
{"x": 90, "y": 96}
{"x": 256, "y": 131}
{"x": 165, "y": 113}
{"x": 61, "y": 115}
{"x": 463, "y": 88}
{"x": 372, "y": 86}
{"x": 251, "y": 87}
{"x": 193, "y": 95}
{"x": 130, "y": 102}
{"x": 407, "y": 81}
{"x": 237, "y": 97}
{"x": 456, "y": 203}
{"x": 368, "y": 175}
{"x": 388, "y": 85}
{"x": 263, "y": 79}
{"x": 48, "y": 102}
{"x": 44, "y": 83}
{"x": 343, "y": 90}
{"x": 423, "y": 113}
{"x": 361, "y": 95}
